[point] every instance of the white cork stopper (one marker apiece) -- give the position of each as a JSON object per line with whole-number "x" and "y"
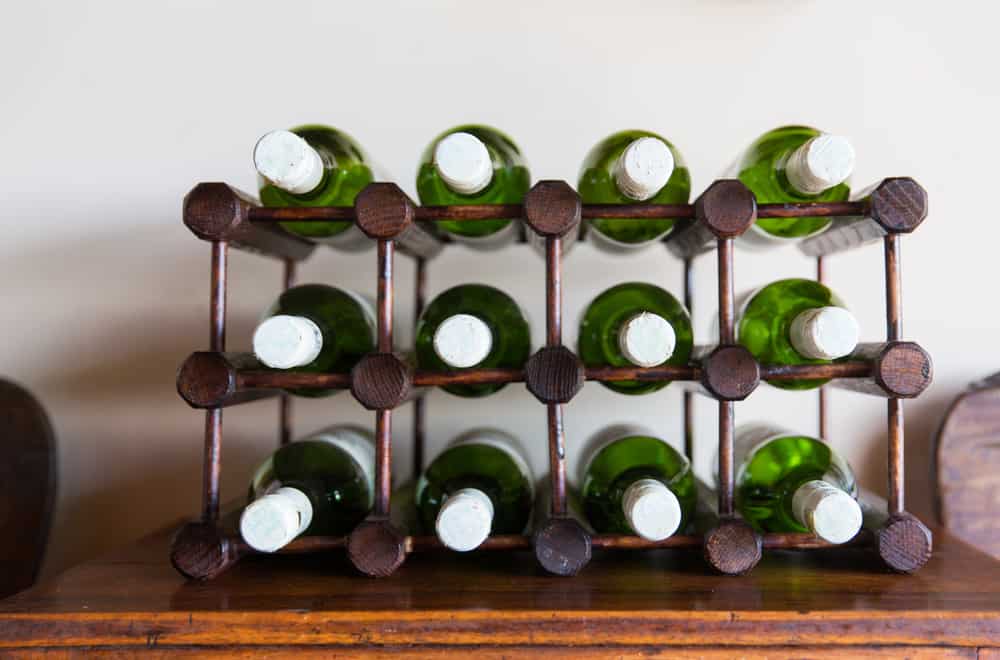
{"x": 287, "y": 161}
{"x": 285, "y": 341}
{"x": 644, "y": 168}
{"x": 652, "y": 509}
{"x": 465, "y": 519}
{"x": 830, "y": 513}
{"x": 647, "y": 340}
{"x": 824, "y": 333}
{"x": 464, "y": 162}
{"x": 821, "y": 163}
{"x": 271, "y": 522}
{"x": 463, "y": 341}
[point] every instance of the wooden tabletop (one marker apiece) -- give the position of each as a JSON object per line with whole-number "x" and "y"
{"x": 649, "y": 602}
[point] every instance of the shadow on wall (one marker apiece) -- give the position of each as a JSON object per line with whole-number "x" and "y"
{"x": 111, "y": 325}
{"x": 921, "y": 418}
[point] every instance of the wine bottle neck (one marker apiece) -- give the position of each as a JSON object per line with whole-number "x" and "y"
{"x": 643, "y": 168}
{"x": 651, "y": 509}
{"x": 824, "y": 333}
{"x": 285, "y": 341}
{"x": 827, "y": 511}
{"x": 463, "y": 162}
{"x": 273, "y": 521}
{"x": 463, "y": 341}
{"x": 289, "y": 162}
{"x": 465, "y": 519}
{"x": 647, "y": 340}
{"x": 819, "y": 164}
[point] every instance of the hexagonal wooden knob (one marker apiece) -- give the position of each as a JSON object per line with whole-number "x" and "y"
{"x": 552, "y": 208}
{"x": 554, "y": 374}
{"x": 903, "y": 369}
{"x": 904, "y": 543}
{"x": 218, "y": 212}
{"x": 732, "y": 547}
{"x": 898, "y": 205}
{"x": 562, "y": 546}
{"x": 376, "y": 547}
{"x": 381, "y": 381}
{"x": 727, "y": 208}
{"x": 730, "y": 373}
{"x": 199, "y": 551}
{"x": 383, "y": 211}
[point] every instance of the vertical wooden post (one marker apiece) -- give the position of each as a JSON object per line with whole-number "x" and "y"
{"x": 553, "y": 334}
{"x": 894, "y": 332}
{"x": 727, "y": 335}
{"x": 419, "y": 300}
{"x": 212, "y": 464}
{"x": 383, "y": 418}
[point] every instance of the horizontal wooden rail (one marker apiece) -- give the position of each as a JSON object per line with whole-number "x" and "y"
{"x": 474, "y": 212}
{"x": 217, "y": 380}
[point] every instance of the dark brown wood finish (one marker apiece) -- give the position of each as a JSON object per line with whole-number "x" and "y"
{"x": 219, "y": 213}
{"x": 554, "y": 374}
{"x": 209, "y": 379}
{"x": 419, "y": 404}
{"x": 891, "y": 207}
{"x": 28, "y": 486}
{"x": 726, "y": 209}
{"x": 552, "y": 209}
{"x": 900, "y": 369}
{"x": 376, "y": 547}
{"x": 823, "y": 598}
{"x": 382, "y": 381}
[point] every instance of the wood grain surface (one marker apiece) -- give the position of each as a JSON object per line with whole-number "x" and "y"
{"x": 637, "y": 600}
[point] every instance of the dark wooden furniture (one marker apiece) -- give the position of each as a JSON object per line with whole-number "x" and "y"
{"x": 894, "y": 369}
{"x": 967, "y": 465}
{"x": 659, "y": 603}
{"x": 27, "y": 486}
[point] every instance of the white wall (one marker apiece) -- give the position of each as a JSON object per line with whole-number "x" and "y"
{"x": 112, "y": 110}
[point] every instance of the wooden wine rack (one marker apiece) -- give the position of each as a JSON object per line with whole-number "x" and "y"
{"x": 382, "y": 381}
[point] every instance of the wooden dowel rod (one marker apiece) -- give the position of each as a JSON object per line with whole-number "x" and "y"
{"x": 383, "y": 461}
{"x": 557, "y": 459}
{"x": 386, "y": 249}
{"x": 727, "y": 332}
{"x": 468, "y": 213}
{"x": 212, "y": 459}
{"x": 553, "y": 290}
{"x": 419, "y": 299}
{"x": 726, "y": 469}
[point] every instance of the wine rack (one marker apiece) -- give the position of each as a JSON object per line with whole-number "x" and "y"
{"x": 894, "y": 369}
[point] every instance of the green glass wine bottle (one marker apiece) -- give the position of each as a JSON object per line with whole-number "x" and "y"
{"x": 314, "y": 165}
{"x": 472, "y": 325}
{"x": 795, "y": 321}
{"x": 315, "y": 328}
{"x": 635, "y": 324}
{"x": 787, "y": 482}
{"x": 480, "y": 484}
{"x": 626, "y": 168}
{"x": 474, "y": 165}
{"x": 322, "y": 485}
{"x": 634, "y": 483}
{"x": 794, "y": 164}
